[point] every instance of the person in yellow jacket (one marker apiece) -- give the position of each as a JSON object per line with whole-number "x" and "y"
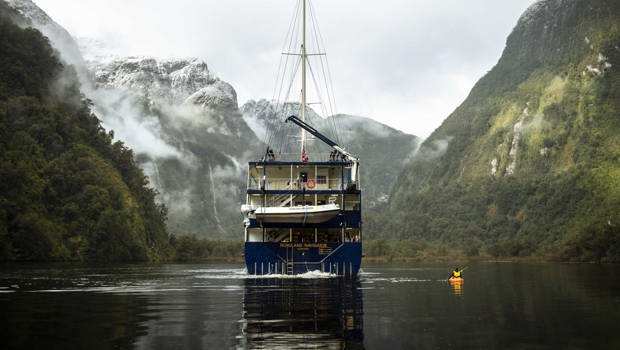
{"x": 457, "y": 273}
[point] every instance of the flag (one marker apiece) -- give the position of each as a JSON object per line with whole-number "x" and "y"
{"x": 304, "y": 158}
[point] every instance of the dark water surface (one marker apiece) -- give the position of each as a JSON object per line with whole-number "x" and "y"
{"x": 216, "y": 306}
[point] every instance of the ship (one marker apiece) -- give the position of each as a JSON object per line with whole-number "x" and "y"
{"x": 303, "y": 209}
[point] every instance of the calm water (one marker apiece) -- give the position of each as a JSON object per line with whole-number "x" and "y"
{"x": 500, "y": 306}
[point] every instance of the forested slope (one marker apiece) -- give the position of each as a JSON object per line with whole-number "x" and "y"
{"x": 529, "y": 164}
{"x": 67, "y": 192}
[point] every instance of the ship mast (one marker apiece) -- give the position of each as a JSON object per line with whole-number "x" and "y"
{"x": 304, "y": 57}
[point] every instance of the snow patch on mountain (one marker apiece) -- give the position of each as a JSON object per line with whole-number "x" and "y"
{"x": 163, "y": 81}
{"x": 217, "y": 95}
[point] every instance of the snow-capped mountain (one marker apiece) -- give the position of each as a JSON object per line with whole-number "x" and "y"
{"x": 190, "y": 137}
{"x": 167, "y": 81}
{"x": 177, "y": 91}
{"x": 197, "y": 139}
{"x": 181, "y": 121}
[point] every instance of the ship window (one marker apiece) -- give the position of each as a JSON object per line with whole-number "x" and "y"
{"x": 321, "y": 179}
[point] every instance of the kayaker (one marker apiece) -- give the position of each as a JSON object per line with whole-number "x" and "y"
{"x": 456, "y": 273}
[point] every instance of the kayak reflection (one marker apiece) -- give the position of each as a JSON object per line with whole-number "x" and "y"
{"x": 457, "y": 285}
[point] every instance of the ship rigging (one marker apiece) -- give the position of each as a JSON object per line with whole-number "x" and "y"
{"x": 303, "y": 213}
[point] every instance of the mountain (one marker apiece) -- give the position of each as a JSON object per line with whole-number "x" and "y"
{"x": 191, "y": 139}
{"x": 181, "y": 122}
{"x": 529, "y": 163}
{"x": 67, "y": 49}
{"x": 383, "y": 151}
{"x": 67, "y": 191}
{"x": 188, "y": 134}
{"x": 198, "y": 140}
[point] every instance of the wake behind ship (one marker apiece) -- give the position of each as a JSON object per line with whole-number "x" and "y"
{"x": 303, "y": 209}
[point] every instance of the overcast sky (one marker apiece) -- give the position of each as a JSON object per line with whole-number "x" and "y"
{"x": 405, "y": 63}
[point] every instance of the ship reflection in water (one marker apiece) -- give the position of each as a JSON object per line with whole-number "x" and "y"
{"x": 298, "y": 312}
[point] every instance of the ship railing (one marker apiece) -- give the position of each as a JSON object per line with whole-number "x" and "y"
{"x": 284, "y": 267}
{"x": 312, "y": 157}
{"x": 283, "y": 184}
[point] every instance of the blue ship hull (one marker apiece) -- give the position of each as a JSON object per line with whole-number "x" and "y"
{"x": 264, "y": 258}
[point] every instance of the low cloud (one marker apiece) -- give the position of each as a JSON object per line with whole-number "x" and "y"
{"x": 131, "y": 124}
{"x": 434, "y": 150}
{"x": 417, "y": 60}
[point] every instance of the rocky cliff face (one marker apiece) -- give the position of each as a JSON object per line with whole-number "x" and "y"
{"x": 528, "y": 164}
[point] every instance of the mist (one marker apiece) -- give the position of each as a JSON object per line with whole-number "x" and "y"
{"x": 406, "y": 63}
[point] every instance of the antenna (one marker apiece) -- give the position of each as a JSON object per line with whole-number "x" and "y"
{"x": 303, "y": 82}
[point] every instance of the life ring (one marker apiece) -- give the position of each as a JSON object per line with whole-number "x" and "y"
{"x": 310, "y": 183}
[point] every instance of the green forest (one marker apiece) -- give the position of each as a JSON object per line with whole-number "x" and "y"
{"x": 528, "y": 167}
{"x": 529, "y": 164}
{"x": 67, "y": 192}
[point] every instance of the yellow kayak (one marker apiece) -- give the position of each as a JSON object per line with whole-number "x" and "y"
{"x": 456, "y": 279}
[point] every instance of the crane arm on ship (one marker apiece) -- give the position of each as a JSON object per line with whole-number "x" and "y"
{"x": 353, "y": 159}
